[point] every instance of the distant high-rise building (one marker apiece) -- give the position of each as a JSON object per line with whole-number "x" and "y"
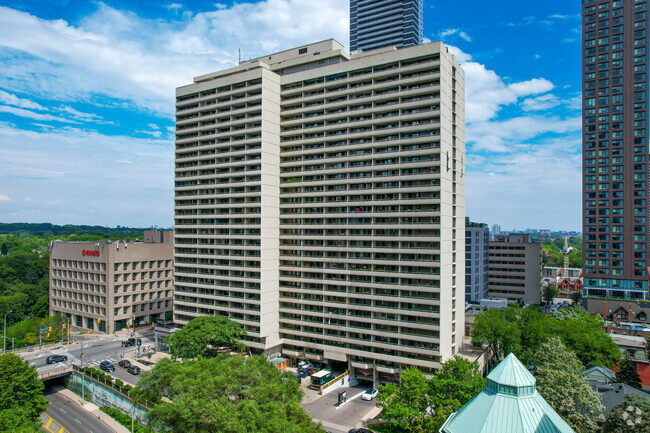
{"x": 385, "y": 23}
{"x": 496, "y": 230}
{"x": 515, "y": 270}
{"x": 320, "y": 203}
{"x": 615, "y": 148}
{"x": 477, "y": 240}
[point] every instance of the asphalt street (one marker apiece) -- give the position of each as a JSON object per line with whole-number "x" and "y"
{"x": 96, "y": 349}
{"x": 66, "y": 413}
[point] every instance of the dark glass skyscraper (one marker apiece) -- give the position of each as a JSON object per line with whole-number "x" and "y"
{"x": 615, "y": 148}
{"x": 383, "y": 23}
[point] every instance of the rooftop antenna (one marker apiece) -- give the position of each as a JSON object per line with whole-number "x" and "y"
{"x": 239, "y": 50}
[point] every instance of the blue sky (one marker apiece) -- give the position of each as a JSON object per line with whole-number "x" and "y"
{"x": 87, "y": 100}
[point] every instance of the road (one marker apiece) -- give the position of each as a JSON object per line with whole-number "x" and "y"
{"x": 64, "y": 414}
{"x": 96, "y": 349}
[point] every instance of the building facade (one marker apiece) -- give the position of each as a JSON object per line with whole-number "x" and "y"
{"x": 615, "y": 148}
{"x": 515, "y": 269}
{"x": 320, "y": 202}
{"x": 106, "y": 286}
{"x": 496, "y": 230}
{"x": 384, "y": 23}
{"x": 477, "y": 242}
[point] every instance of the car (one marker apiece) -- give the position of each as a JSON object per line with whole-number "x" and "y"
{"x": 133, "y": 369}
{"x": 360, "y": 430}
{"x": 56, "y": 358}
{"x": 370, "y": 394}
{"x": 132, "y": 342}
{"x": 106, "y": 366}
{"x": 125, "y": 363}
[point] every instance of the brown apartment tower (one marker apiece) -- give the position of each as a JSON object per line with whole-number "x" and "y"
{"x": 615, "y": 148}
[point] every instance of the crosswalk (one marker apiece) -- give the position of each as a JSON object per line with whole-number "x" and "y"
{"x": 96, "y": 362}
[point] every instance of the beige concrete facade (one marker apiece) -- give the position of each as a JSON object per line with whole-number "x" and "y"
{"x": 102, "y": 286}
{"x": 515, "y": 269}
{"x": 320, "y": 202}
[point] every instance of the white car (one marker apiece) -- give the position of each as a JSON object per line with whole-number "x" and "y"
{"x": 370, "y": 394}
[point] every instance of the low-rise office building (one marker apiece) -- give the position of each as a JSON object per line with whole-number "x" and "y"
{"x": 106, "y": 286}
{"x": 515, "y": 268}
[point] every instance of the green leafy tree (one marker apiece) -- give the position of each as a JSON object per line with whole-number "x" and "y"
{"x": 631, "y": 416}
{"x": 408, "y": 405}
{"x": 226, "y": 394}
{"x": 628, "y": 373}
{"x": 576, "y": 297}
{"x": 451, "y": 387}
{"x": 559, "y": 380}
{"x": 550, "y": 292}
{"x": 203, "y": 336}
{"x": 21, "y": 395}
{"x": 494, "y": 328}
{"x": 5, "y": 249}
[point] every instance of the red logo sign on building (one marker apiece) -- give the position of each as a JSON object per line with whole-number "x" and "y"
{"x": 90, "y": 253}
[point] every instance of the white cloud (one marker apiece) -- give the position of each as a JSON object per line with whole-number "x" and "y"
{"x": 32, "y": 115}
{"x": 11, "y": 99}
{"x": 153, "y": 126}
{"x": 542, "y": 102}
{"x": 174, "y": 6}
{"x": 156, "y": 134}
{"x": 4, "y": 197}
{"x": 85, "y": 173}
{"x": 115, "y": 53}
{"x": 457, "y": 32}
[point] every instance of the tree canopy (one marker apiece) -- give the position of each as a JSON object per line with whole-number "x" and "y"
{"x": 226, "y": 394}
{"x": 523, "y": 330}
{"x": 628, "y": 373}
{"x": 203, "y": 336}
{"x": 418, "y": 405}
{"x": 21, "y": 395}
{"x": 631, "y": 416}
{"x": 559, "y": 380}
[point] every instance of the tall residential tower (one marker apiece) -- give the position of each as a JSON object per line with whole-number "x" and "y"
{"x": 384, "y": 23}
{"x": 320, "y": 202}
{"x": 615, "y": 148}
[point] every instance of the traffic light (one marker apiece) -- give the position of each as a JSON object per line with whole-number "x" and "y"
{"x": 48, "y": 335}
{"x": 99, "y": 320}
{"x": 64, "y": 326}
{"x": 49, "y": 330}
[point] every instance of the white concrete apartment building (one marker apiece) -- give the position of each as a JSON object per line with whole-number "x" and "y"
{"x": 103, "y": 286}
{"x": 320, "y": 202}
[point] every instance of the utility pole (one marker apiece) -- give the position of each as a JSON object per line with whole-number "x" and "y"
{"x": 4, "y": 350}
{"x": 132, "y": 414}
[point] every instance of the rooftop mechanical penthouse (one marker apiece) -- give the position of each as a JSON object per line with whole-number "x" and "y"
{"x": 320, "y": 202}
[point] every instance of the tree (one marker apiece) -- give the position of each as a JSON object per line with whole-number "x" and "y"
{"x": 631, "y": 416}
{"x": 21, "y": 395}
{"x": 228, "y": 394}
{"x": 203, "y": 336}
{"x": 407, "y": 405}
{"x": 5, "y": 249}
{"x": 576, "y": 297}
{"x": 550, "y": 292}
{"x": 628, "y": 373}
{"x": 452, "y": 386}
{"x": 493, "y": 328}
{"x": 559, "y": 380}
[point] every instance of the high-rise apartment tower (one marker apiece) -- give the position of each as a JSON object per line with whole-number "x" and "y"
{"x": 320, "y": 202}
{"x": 384, "y": 23}
{"x": 615, "y": 148}
{"x": 477, "y": 242}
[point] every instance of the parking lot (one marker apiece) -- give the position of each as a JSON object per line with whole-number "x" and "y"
{"x": 352, "y": 414}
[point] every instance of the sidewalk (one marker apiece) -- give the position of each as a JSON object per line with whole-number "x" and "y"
{"x": 93, "y": 409}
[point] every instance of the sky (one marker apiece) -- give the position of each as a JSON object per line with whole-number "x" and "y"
{"x": 87, "y": 100}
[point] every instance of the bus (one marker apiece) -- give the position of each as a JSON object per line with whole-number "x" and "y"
{"x": 320, "y": 378}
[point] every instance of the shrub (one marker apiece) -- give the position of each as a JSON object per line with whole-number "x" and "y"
{"x": 125, "y": 420}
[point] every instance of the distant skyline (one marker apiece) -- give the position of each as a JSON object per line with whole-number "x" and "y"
{"x": 87, "y": 100}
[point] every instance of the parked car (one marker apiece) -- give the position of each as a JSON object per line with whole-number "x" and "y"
{"x": 360, "y": 430}
{"x": 55, "y": 358}
{"x": 133, "y": 369}
{"x": 370, "y": 394}
{"x": 308, "y": 368}
{"x": 125, "y": 363}
{"x": 106, "y": 366}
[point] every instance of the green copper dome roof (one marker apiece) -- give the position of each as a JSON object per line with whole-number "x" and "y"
{"x": 508, "y": 404}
